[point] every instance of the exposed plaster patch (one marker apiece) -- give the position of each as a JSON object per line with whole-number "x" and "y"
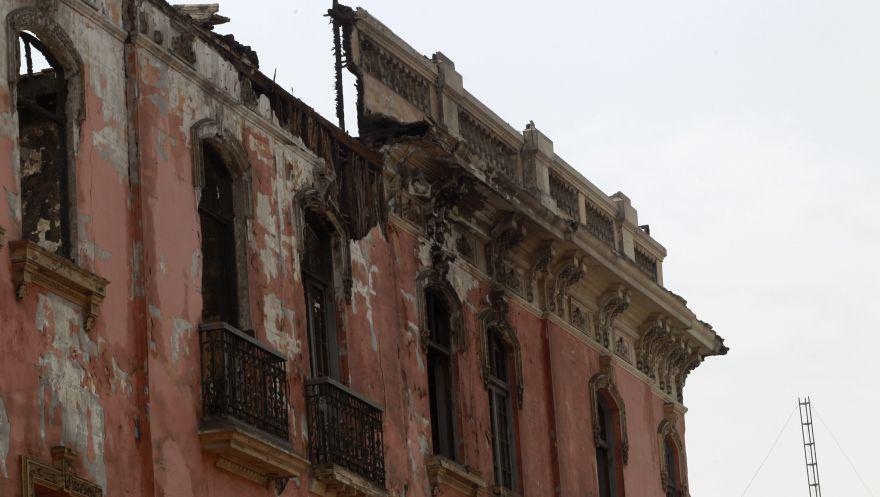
{"x": 163, "y": 265}
{"x": 87, "y": 247}
{"x": 195, "y": 269}
{"x": 5, "y": 431}
{"x": 364, "y": 289}
{"x": 269, "y": 252}
{"x": 14, "y": 203}
{"x": 121, "y": 380}
{"x": 154, "y": 311}
{"x": 180, "y": 338}
{"x": 464, "y": 283}
{"x": 68, "y": 387}
{"x": 279, "y": 325}
{"x": 106, "y": 142}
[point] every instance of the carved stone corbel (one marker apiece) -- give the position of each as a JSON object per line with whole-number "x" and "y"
{"x": 539, "y": 263}
{"x": 507, "y": 233}
{"x": 651, "y": 333}
{"x": 571, "y": 269}
{"x": 612, "y": 303}
{"x": 439, "y": 210}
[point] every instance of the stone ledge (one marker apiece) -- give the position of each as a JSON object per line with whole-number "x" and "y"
{"x": 444, "y": 474}
{"x": 330, "y": 480}
{"x": 34, "y": 264}
{"x": 250, "y": 456}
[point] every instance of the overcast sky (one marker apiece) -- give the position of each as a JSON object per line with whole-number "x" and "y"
{"x": 746, "y": 132}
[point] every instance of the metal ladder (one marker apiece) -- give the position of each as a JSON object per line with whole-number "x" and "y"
{"x": 806, "y": 412}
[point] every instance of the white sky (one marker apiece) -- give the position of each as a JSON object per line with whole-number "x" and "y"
{"x": 746, "y": 133}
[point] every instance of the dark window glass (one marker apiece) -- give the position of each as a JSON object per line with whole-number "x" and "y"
{"x": 440, "y": 374}
{"x": 41, "y": 97}
{"x": 219, "y": 280}
{"x": 501, "y": 412}
{"x": 606, "y": 450}
{"x": 673, "y": 486}
{"x": 317, "y": 274}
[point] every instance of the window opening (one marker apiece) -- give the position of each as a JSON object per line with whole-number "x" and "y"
{"x": 501, "y": 411}
{"x": 217, "y": 217}
{"x": 439, "y": 349}
{"x": 317, "y": 276}
{"x": 41, "y": 98}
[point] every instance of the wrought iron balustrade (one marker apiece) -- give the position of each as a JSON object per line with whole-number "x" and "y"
{"x": 243, "y": 380}
{"x": 345, "y": 430}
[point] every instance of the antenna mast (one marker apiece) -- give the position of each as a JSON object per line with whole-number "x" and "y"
{"x": 806, "y": 412}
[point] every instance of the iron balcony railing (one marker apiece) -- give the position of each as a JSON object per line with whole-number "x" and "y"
{"x": 345, "y": 429}
{"x": 243, "y": 381}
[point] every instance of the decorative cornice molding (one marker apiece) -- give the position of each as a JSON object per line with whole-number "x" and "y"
{"x": 571, "y": 269}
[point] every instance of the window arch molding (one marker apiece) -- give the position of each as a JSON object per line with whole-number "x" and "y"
{"x": 431, "y": 279}
{"x": 61, "y": 52}
{"x": 209, "y": 133}
{"x": 38, "y": 20}
{"x": 318, "y": 199}
{"x": 494, "y": 318}
{"x": 669, "y": 431}
{"x": 603, "y": 384}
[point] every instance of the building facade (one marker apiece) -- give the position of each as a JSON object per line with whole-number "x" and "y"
{"x": 212, "y": 290}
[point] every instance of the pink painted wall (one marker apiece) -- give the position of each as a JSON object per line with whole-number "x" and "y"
{"x": 127, "y": 395}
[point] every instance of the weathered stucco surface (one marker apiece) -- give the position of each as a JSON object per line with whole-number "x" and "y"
{"x": 127, "y": 395}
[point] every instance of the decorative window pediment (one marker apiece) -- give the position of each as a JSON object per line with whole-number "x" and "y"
{"x": 39, "y": 479}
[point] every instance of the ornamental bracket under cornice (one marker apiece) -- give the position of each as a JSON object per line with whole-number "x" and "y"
{"x": 538, "y": 264}
{"x": 507, "y": 233}
{"x": 612, "y": 304}
{"x": 570, "y": 270}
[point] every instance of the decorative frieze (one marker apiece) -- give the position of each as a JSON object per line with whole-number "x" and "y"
{"x": 579, "y": 316}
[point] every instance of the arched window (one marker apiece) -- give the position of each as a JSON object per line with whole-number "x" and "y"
{"x": 609, "y": 431}
{"x": 607, "y": 450}
{"x": 501, "y": 410}
{"x": 317, "y": 279}
{"x": 41, "y": 99}
{"x": 217, "y": 218}
{"x": 673, "y": 480}
{"x": 673, "y": 476}
{"x": 439, "y": 359}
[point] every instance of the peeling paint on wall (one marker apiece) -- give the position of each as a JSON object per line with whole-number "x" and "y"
{"x": 278, "y": 322}
{"x": 364, "y": 289}
{"x": 67, "y": 385}
{"x": 269, "y": 251}
{"x": 180, "y": 338}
